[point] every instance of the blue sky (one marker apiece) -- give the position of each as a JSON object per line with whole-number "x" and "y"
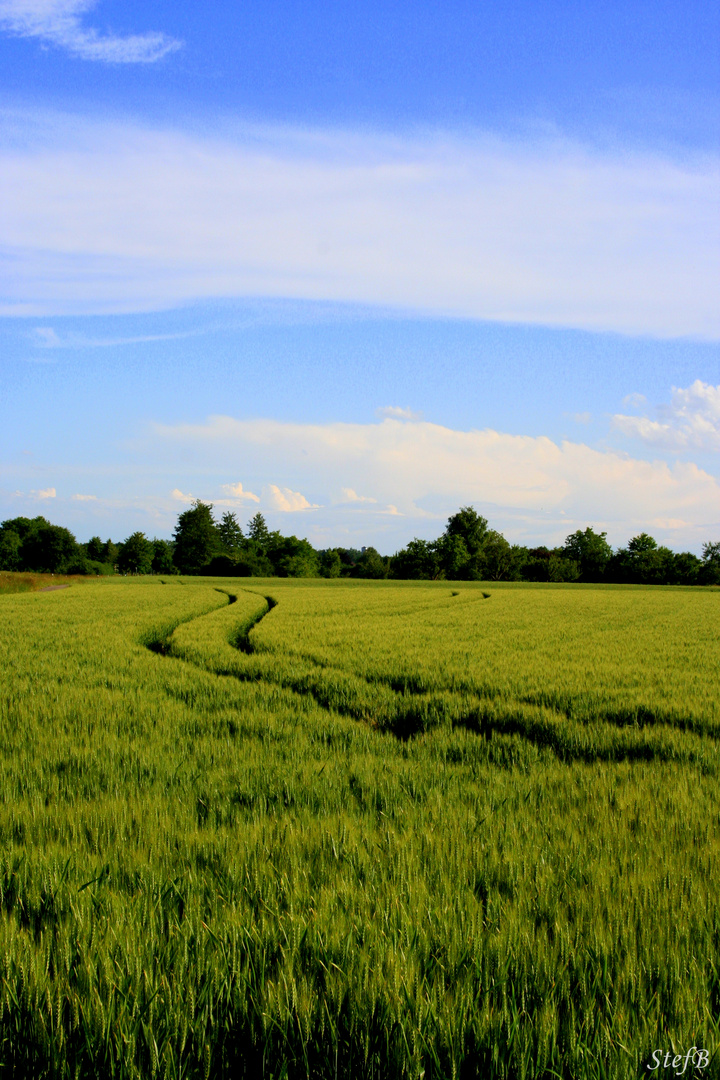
{"x": 357, "y": 265}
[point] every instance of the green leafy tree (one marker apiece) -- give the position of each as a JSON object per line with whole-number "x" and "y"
{"x": 94, "y": 549}
{"x": 548, "y": 564}
{"x": 230, "y": 533}
{"x": 686, "y": 568}
{"x": 330, "y": 563}
{"x": 642, "y": 544}
{"x": 418, "y": 561}
{"x": 536, "y": 564}
{"x": 710, "y": 569}
{"x": 10, "y": 550}
{"x": 295, "y": 558}
{"x": 162, "y": 557}
{"x": 49, "y": 549}
{"x": 100, "y": 559}
{"x": 655, "y": 563}
{"x": 496, "y": 559}
{"x": 253, "y": 563}
{"x": 562, "y": 568}
{"x": 348, "y": 558}
{"x": 136, "y": 554}
{"x": 22, "y": 525}
{"x": 371, "y": 564}
{"x": 110, "y": 553}
{"x": 258, "y": 531}
{"x": 591, "y": 552}
{"x": 642, "y": 563}
{"x": 196, "y": 537}
{"x": 453, "y": 556}
{"x": 470, "y": 527}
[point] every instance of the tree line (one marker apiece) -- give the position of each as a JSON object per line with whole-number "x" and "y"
{"x": 467, "y": 550}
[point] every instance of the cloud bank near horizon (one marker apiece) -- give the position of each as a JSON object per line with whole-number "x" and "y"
{"x": 381, "y": 483}
{"x": 103, "y": 218}
{"x": 531, "y": 488}
{"x": 59, "y": 23}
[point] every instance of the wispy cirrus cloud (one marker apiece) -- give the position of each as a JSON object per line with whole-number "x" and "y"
{"x": 690, "y": 422}
{"x": 60, "y": 23}
{"x": 548, "y": 232}
{"x": 46, "y": 337}
{"x": 635, "y": 401}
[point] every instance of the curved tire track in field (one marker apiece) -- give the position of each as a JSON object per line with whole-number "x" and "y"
{"x": 158, "y": 640}
{"x": 614, "y": 736}
{"x": 241, "y": 638}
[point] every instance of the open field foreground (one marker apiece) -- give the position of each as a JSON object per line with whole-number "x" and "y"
{"x": 360, "y": 830}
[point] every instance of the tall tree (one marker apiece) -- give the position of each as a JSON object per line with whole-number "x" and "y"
{"x": 162, "y": 558}
{"x": 196, "y": 538}
{"x": 258, "y": 531}
{"x": 710, "y": 570}
{"x": 686, "y": 568}
{"x": 371, "y": 564}
{"x": 10, "y": 549}
{"x": 453, "y": 555}
{"x": 591, "y": 552}
{"x": 330, "y": 563}
{"x": 110, "y": 553}
{"x": 496, "y": 560}
{"x": 418, "y": 561}
{"x": 230, "y": 533}
{"x": 470, "y": 527}
{"x": 136, "y": 554}
{"x": 49, "y": 548}
{"x": 94, "y": 549}
{"x": 294, "y": 558}
{"x": 643, "y": 562}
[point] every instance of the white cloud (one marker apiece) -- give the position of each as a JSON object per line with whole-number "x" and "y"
{"x": 288, "y": 501}
{"x": 349, "y": 495}
{"x": 44, "y": 493}
{"x": 395, "y": 412}
{"x": 84, "y": 498}
{"x": 45, "y": 337}
{"x": 552, "y": 233}
{"x": 59, "y": 22}
{"x": 180, "y": 496}
{"x": 236, "y": 491}
{"x": 670, "y": 524}
{"x": 690, "y": 422}
{"x": 529, "y": 487}
{"x": 635, "y": 401}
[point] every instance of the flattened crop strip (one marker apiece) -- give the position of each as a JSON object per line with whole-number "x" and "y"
{"x": 206, "y": 876}
{"x": 404, "y": 705}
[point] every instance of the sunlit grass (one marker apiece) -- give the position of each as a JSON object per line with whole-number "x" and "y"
{"x": 380, "y": 831}
{"x": 11, "y": 582}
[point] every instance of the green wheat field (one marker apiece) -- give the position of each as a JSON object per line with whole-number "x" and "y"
{"x": 293, "y": 829}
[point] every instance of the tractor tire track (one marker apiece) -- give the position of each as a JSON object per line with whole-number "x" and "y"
{"x": 409, "y": 711}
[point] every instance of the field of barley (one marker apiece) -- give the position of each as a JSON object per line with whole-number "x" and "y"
{"x": 343, "y": 829}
